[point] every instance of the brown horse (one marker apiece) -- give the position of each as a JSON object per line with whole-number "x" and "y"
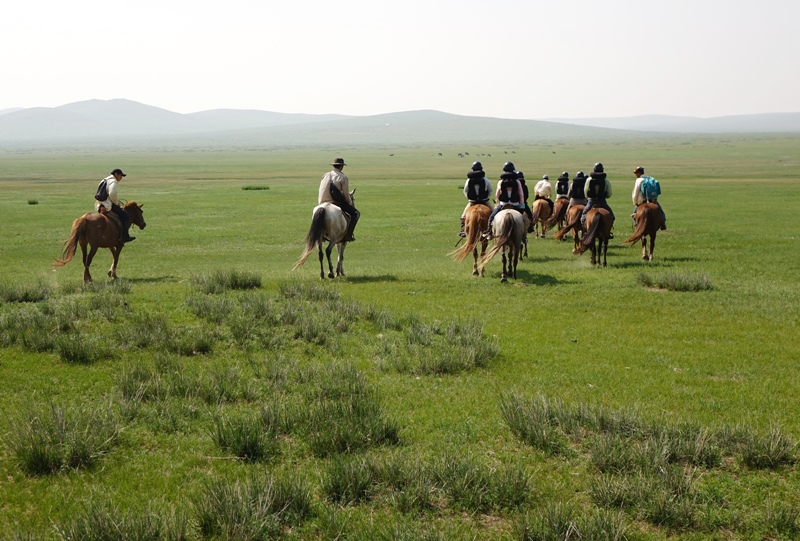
{"x": 648, "y": 221}
{"x": 559, "y": 215}
{"x": 541, "y": 215}
{"x": 476, "y": 221}
{"x": 508, "y": 229}
{"x": 574, "y": 225}
{"x": 98, "y": 231}
{"x": 598, "y": 227}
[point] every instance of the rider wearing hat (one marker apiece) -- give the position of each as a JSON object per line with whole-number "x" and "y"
{"x": 477, "y": 190}
{"x": 335, "y": 188}
{"x": 107, "y": 199}
{"x": 639, "y": 197}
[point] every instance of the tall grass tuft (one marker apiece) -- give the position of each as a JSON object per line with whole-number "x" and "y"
{"x": 253, "y": 509}
{"x": 348, "y": 480}
{"x": 245, "y": 436}
{"x": 531, "y": 422}
{"x": 82, "y": 348}
{"x": 47, "y": 439}
{"x": 674, "y": 281}
{"x": 220, "y": 281}
{"x": 17, "y": 292}
{"x": 767, "y": 452}
{"x": 105, "y": 522}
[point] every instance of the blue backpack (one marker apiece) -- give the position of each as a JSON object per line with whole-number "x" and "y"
{"x": 651, "y": 189}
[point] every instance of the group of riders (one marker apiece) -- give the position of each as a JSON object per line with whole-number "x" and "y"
{"x": 592, "y": 191}
{"x": 512, "y": 192}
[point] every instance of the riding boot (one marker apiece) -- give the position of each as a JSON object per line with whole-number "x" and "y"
{"x": 126, "y": 234}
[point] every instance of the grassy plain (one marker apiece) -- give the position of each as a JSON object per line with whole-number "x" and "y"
{"x": 726, "y": 357}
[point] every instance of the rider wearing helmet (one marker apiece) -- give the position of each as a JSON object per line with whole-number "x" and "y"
{"x": 562, "y": 186}
{"x": 509, "y": 194}
{"x": 477, "y": 190}
{"x": 598, "y": 190}
{"x": 525, "y": 193}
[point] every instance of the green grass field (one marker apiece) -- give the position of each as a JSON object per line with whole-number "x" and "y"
{"x": 157, "y": 369}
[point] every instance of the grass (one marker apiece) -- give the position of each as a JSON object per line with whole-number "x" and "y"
{"x": 409, "y": 364}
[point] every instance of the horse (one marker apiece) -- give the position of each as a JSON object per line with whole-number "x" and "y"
{"x": 559, "y": 215}
{"x": 476, "y": 221}
{"x": 598, "y": 227}
{"x": 541, "y": 214}
{"x": 508, "y": 229}
{"x": 648, "y": 221}
{"x": 328, "y": 223}
{"x": 98, "y": 230}
{"x": 574, "y": 225}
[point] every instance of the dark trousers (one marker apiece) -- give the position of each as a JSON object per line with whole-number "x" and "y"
{"x": 599, "y": 203}
{"x": 503, "y": 206}
{"x": 352, "y": 211}
{"x": 122, "y": 214}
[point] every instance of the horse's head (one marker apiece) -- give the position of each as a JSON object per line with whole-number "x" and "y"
{"x": 135, "y": 213}
{"x": 352, "y": 198}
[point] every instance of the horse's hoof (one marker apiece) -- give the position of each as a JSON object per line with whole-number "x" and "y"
{"x": 475, "y": 273}
{"x": 330, "y": 275}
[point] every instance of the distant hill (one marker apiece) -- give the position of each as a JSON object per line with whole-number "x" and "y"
{"x": 120, "y": 121}
{"x": 763, "y": 123}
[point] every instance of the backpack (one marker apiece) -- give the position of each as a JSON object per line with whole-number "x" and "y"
{"x": 650, "y": 187}
{"x": 102, "y": 191}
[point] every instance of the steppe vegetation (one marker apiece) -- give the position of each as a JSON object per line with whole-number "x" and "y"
{"x": 212, "y": 393}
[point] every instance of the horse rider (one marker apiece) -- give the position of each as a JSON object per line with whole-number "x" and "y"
{"x": 639, "y": 197}
{"x": 598, "y": 190}
{"x": 334, "y": 188}
{"x": 577, "y": 190}
{"x": 544, "y": 190}
{"x": 107, "y": 199}
{"x": 477, "y": 190}
{"x": 562, "y": 186}
{"x": 509, "y": 194}
{"x": 525, "y": 195}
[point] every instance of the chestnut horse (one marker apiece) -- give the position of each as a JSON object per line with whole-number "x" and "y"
{"x": 476, "y": 221}
{"x": 541, "y": 215}
{"x": 574, "y": 225}
{"x": 648, "y": 221}
{"x": 508, "y": 229}
{"x": 98, "y": 231}
{"x": 328, "y": 222}
{"x": 598, "y": 228}
{"x": 559, "y": 213}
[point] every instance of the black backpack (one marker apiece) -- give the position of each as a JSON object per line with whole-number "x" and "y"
{"x": 102, "y": 191}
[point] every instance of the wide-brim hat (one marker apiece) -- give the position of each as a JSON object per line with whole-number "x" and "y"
{"x": 338, "y": 161}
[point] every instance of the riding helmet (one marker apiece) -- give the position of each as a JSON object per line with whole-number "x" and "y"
{"x": 508, "y": 167}
{"x": 598, "y": 167}
{"x": 564, "y": 175}
{"x": 477, "y": 166}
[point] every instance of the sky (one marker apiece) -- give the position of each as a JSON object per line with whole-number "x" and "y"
{"x": 524, "y": 59}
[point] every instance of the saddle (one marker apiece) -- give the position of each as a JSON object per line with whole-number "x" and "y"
{"x": 112, "y": 216}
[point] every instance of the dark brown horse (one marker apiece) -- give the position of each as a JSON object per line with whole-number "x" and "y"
{"x": 559, "y": 213}
{"x": 98, "y": 231}
{"x": 541, "y": 215}
{"x": 598, "y": 228}
{"x": 648, "y": 221}
{"x": 476, "y": 221}
{"x": 574, "y": 225}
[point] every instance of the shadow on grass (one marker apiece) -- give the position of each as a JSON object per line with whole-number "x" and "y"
{"x": 370, "y": 279}
{"x": 153, "y": 279}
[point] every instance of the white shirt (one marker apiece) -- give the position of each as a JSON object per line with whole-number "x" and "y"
{"x": 543, "y": 188}
{"x": 113, "y": 196}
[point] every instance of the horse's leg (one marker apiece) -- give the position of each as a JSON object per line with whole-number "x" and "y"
{"x": 644, "y": 248}
{"x": 87, "y": 260}
{"x": 321, "y": 264}
{"x": 475, "y": 264}
{"x": 328, "y": 251}
{"x": 605, "y": 251}
{"x": 504, "y": 276}
{"x": 340, "y": 261}
{"x": 652, "y": 244}
{"x": 112, "y": 272}
{"x": 515, "y": 261}
{"x": 484, "y": 244}
{"x": 595, "y": 260}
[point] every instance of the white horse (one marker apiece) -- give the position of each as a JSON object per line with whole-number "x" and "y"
{"x": 328, "y": 223}
{"x": 508, "y": 229}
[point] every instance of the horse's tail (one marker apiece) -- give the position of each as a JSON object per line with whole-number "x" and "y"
{"x": 535, "y": 215}
{"x": 561, "y": 233}
{"x": 315, "y": 236}
{"x": 558, "y": 209}
{"x": 641, "y": 227}
{"x": 502, "y": 239}
{"x": 71, "y": 244}
{"x": 594, "y": 226}
{"x": 473, "y": 237}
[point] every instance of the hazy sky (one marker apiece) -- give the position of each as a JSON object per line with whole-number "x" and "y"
{"x": 500, "y": 58}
